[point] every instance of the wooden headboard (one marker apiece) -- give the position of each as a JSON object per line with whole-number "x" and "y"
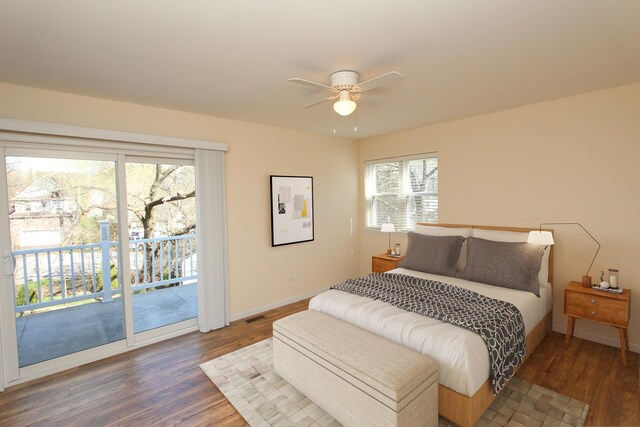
{"x": 493, "y": 227}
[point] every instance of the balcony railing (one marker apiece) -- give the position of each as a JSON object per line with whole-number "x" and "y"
{"x": 62, "y": 275}
{"x": 163, "y": 261}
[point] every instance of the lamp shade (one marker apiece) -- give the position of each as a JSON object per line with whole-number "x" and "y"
{"x": 388, "y": 228}
{"x": 344, "y": 106}
{"x": 540, "y": 237}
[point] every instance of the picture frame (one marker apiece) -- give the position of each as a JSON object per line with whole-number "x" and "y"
{"x": 292, "y": 209}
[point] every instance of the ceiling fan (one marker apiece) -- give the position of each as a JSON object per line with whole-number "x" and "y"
{"x": 347, "y": 90}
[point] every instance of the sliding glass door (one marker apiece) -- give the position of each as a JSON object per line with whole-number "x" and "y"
{"x": 99, "y": 254}
{"x": 64, "y": 243}
{"x": 161, "y": 204}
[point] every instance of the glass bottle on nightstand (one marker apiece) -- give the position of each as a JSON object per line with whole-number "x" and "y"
{"x": 396, "y": 249}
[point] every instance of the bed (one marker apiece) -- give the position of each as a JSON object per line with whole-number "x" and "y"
{"x": 465, "y": 390}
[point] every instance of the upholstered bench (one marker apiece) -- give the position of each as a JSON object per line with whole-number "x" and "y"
{"x": 357, "y": 377}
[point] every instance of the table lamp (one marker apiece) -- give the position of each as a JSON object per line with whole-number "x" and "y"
{"x": 388, "y": 228}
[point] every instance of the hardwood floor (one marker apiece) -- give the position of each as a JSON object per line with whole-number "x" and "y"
{"x": 163, "y": 385}
{"x": 592, "y": 373}
{"x": 156, "y": 385}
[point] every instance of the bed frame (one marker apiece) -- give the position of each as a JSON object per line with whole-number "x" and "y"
{"x": 462, "y": 409}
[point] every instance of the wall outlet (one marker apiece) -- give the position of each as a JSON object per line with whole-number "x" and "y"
{"x": 351, "y": 251}
{"x": 292, "y": 278}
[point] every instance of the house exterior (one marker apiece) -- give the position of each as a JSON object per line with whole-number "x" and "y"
{"x": 41, "y": 214}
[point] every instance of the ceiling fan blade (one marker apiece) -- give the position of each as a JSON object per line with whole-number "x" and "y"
{"x": 382, "y": 80}
{"x": 309, "y": 83}
{"x": 313, "y": 104}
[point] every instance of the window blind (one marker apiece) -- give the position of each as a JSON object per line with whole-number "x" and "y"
{"x": 402, "y": 190}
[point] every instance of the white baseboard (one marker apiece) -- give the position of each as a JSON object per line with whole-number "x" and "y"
{"x": 268, "y": 307}
{"x": 613, "y": 342}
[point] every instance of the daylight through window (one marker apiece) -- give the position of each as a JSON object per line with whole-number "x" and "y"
{"x": 403, "y": 190}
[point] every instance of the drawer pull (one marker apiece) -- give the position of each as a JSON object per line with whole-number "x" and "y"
{"x": 593, "y": 313}
{"x": 593, "y": 301}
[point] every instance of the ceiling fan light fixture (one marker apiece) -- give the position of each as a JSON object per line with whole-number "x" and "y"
{"x": 344, "y": 106}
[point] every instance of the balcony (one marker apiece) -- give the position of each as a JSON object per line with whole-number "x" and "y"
{"x": 62, "y": 305}
{"x": 50, "y": 334}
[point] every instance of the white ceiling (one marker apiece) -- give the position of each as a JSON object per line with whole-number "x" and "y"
{"x": 232, "y": 58}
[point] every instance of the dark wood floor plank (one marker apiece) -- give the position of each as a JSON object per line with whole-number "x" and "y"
{"x": 162, "y": 384}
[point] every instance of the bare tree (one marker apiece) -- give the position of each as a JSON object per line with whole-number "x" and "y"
{"x": 146, "y": 210}
{"x": 419, "y": 181}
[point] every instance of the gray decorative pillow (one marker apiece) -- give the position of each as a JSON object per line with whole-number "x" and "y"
{"x": 432, "y": 254}
{"x": 508, "y": 265}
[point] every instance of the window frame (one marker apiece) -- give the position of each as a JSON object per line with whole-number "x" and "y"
{"x": 404, "y": 197}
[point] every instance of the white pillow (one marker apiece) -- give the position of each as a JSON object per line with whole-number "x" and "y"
{"x": 515, "y": 236}
{"x": 434, "y": 230}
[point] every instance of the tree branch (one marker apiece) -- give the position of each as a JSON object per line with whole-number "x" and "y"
{"x": 139, "y": 215}
{"x": 160, "y": 178}
{"x": 105, "y": 208}
{"x": 137, "y": 197}
{"x": 185, "y": 230}
{"x": 168, "y": 172}
{"x": 164, "y": 200}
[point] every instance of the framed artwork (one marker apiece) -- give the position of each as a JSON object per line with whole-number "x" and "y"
{"x": 291, "y": 209}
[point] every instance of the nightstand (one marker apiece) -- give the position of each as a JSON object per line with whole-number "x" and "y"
{"x": 383, "y": 262}
{"x": 604, "y": 307}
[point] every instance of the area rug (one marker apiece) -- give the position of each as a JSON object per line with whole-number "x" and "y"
{"x": 263, "y": 398}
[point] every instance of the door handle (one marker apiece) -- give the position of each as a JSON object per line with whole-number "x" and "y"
{"x": 9, "y": 265}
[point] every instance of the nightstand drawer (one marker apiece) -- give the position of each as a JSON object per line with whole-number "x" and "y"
{"x": 598, "y": 308}
{"x": 383, "y": 262}
{"x": 382, "y": 265}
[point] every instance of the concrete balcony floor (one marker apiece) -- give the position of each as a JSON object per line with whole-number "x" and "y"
{"x": 47, "y": 335}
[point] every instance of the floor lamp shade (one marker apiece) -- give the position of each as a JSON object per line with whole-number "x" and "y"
{"x": 541, "y": 237}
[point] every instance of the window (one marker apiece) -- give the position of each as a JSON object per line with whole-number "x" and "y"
{"x": 403, "y": 190}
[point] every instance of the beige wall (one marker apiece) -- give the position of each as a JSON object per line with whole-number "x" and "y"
{"x": 258, "y": 274}
{"x": 574, "y": 159}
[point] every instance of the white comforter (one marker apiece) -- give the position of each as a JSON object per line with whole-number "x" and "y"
{"x": 461, "y": 354}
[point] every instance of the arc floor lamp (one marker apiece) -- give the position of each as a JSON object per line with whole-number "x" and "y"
{"x": 541, "y": 237}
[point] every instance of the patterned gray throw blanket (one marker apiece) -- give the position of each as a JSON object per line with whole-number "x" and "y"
{"x": 499, "y": 323}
